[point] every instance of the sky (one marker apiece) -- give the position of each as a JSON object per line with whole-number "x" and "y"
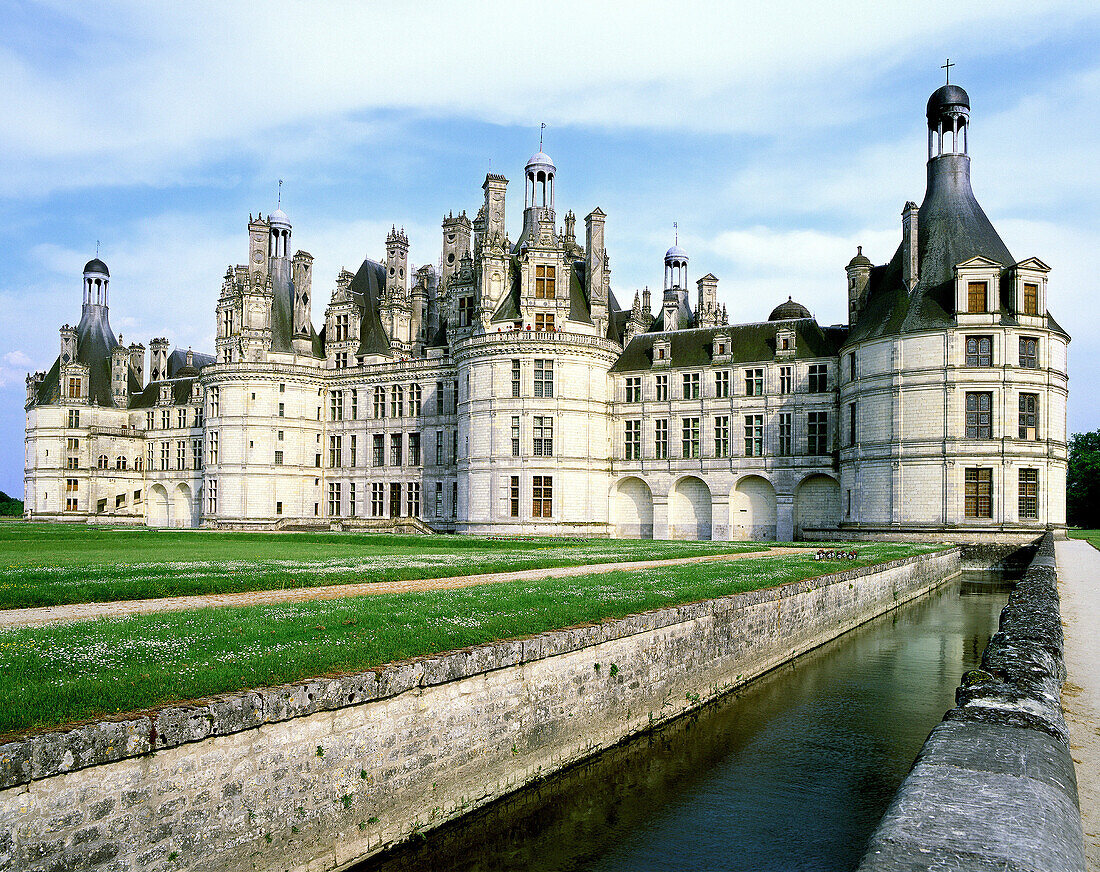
{"x": 778, "y": 137}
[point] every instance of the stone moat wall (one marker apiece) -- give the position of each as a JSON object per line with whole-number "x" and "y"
{"x": 319, "y": 774}
{"x": 994, "y": 785}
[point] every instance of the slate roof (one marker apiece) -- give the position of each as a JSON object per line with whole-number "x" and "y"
{"x": 951, "y": 228}
{"x": 749, "y": 343}
{"x": 94, "y": 343}
{"x": 367, "y": 288}
{"x": 282, "y": 312}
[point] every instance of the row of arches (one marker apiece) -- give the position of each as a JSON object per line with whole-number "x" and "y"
{"x": 171, "y": 506}
{"x": 753, "y": 508}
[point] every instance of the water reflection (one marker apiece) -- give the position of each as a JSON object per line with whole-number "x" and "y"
{"x": 791, "y": 773}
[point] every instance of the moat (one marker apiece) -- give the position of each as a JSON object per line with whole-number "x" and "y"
{"x": 792, "y": 772}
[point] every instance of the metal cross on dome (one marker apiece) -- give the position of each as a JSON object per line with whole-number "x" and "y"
{"x": 542, "y": 127}
{"x": 947, "y": 66}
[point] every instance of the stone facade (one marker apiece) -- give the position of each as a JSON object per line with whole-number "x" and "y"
{"x": 508, "y": 390}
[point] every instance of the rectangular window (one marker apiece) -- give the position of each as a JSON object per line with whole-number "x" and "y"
{"x": 979, "y": 493}
{"x": 149, "y": 421}
{"x": 336, "y": 405}
{"x": 722, "y": 383}
{"x": 351, "y": 499}
{"x": 634, "y": 389}
{"x": 74, "y": 387}
{"x": 544, "y": 378}
{"x": 379, "y": 402}
{"x": 341, "y": 360}
{"x": 415, "y": 399}
{"x": 351, "y": 451}
{"x": 853, "y": 416}
{"x": 395, "y": 499}
{"x": 378, "y": 454}
{"x": 212, "y": 496}
{"x": 412, "y": 500}
{"x": 72, "y": 485}
{"x": 454, "y": 498}
{"x": 440, "y": 399}
{"x": 851, "y": 366}
{"x": 454, "y": 448}
{"x": 662, "y": 387}
{"x": 278, "y": 458}
{"x": 543, "y": 432}
{"x": 979, "y": 415}
{"x": 282, "y": 410}
{"x": 72, "y": 443}
{"x": 454, "y": 396}
{"x": 542, "y": 496}
{"x": 515, "y": 435}
{"x": 465, "y": 311}
{"x": 181, "y": 418}
{"x": 1029, "y": 493}
{"x": 722, "y": 436}
{"x": 660, "y": 435}
{"x": 513, "y": 496}
{"x": 438, "y": 447}
{"x": 689, "y": 436}
{"x": 544, "y": 322}
{"x": 515, "y": 377}
{"x": 317, "y": 459}
{"x": 786, "y": 379}
{"x": 377, "y": 500}
{"x": 979, "y": 351}
{"x": 544, "y": 282}
{"x": 439, "y": 499}
{"x": 342, "y": 323}
{"x": 166, "y": 419}
{"x": 213, "y": 445}
{"x": 196, "y": 454}
{"x": 819, "y": 378}
{"x": 395, "y": 449}
{"x": 1031, "y": 299}
{"x": 334, "y": 499}
{"x": 691, "y": 386}
{"x": 181, "y": 455}
{"x": 975, "y": 297}
{"x": 1029, "y": 416}
{"x": 817, "y": 434}
{"x": 754, "y": 382}
{"x": 754, "y": 435}
{"x": 335, "y": 452}
{"x": 414, "y": 449}
{"x": 1029, "y": 352}
{"x": 397, "y": 402}
{"x": 785, "y": 445}
{"x": 633, "y": 440}
{"x": 215, "y": 400}
{"x": 70, "y": 504}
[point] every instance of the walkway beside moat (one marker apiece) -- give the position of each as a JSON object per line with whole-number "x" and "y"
{"x": 1079, "y": 589}
{"x": 37, "y": 617}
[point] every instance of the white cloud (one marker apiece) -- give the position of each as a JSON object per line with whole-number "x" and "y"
{"x": 14, "y": 366}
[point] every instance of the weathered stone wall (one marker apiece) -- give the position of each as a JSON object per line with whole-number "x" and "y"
{"x": 994, "y": 785}
{"x": 318, "y": 774}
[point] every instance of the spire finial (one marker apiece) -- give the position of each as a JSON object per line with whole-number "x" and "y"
{"x": 542, "y": 127}
{"x": 97, "y": 248}
{"x": 279, "y": 202}
{"x": 859, "y": 249}
{"x": 947, "y": 66}
{"x": 676, "y": 231}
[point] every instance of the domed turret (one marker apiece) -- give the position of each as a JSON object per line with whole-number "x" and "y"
{"x": 789, "y": 311}
{"x": 860, "y": 259}
{"x": 539, "y": 174}
{"x": 676, "y": 265}
{"x": 96, "y": 267}
{"x": 948, "y": 121}
{"x": 279, "y": 234}
{"x": 96, "y": 279}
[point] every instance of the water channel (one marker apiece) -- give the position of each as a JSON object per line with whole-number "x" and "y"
{"x": 792, "y": 772}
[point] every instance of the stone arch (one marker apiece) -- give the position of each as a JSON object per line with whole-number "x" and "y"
{"x": 816, "y": 503}
{"x": 183, "y": 506}
{"x": 632, "y": 509}
{"x": 753, "y": 509}
{"x": 689, "y": 509}
{"x": 158, "y": 506}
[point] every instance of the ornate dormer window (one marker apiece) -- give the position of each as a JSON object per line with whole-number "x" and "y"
{"x": 1029, "y": 286}
{"x": 721, "y": 347}
{"x": 784, "y": 343}
{"x": 165, "y": 394}
{"x": 977, "y": 289}
{"x": 662, "y": 353}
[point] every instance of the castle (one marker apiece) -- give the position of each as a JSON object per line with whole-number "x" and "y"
{"x": 510, "y": 392}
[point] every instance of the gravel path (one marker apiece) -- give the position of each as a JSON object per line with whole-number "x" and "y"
{"x": 37, "y": 617}
{"x": 1078, "y": 571}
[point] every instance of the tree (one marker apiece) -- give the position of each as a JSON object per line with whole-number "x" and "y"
{"x": 1083, "y": 481}
{"x": 9, "y": 506}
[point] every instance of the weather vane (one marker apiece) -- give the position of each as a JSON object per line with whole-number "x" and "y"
{"x": 542, "y": 127}
{"x": 947, "y": 67}
{"x": 676, "y": 231}
{"x": 279, "y": 204}
{"x": 97, "y": 248}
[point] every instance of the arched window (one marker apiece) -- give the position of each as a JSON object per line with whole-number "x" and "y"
{"x": 120, "y": 462}
{"x": 102, "y": 464}
{"x": 138, "y": 463}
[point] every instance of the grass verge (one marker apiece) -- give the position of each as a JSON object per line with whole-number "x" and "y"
{"x": 51, "y": 564}
{"x": 65, "y": 673}
{"x": 1090, "y": 536}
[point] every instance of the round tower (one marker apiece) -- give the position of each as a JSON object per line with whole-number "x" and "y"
{"x": 96, "y": 279}
{"x": 278, "y": 234}
{"x": 539, "y": 187}
{"x": 948, "y": 121}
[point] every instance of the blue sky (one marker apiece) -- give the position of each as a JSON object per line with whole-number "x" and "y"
{"x": 779, "y": 136}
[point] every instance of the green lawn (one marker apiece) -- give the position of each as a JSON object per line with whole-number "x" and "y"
{"x": 64, "y": 673}
{"x": 53, "y": 564}
{"x": 1090, "y": 536}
